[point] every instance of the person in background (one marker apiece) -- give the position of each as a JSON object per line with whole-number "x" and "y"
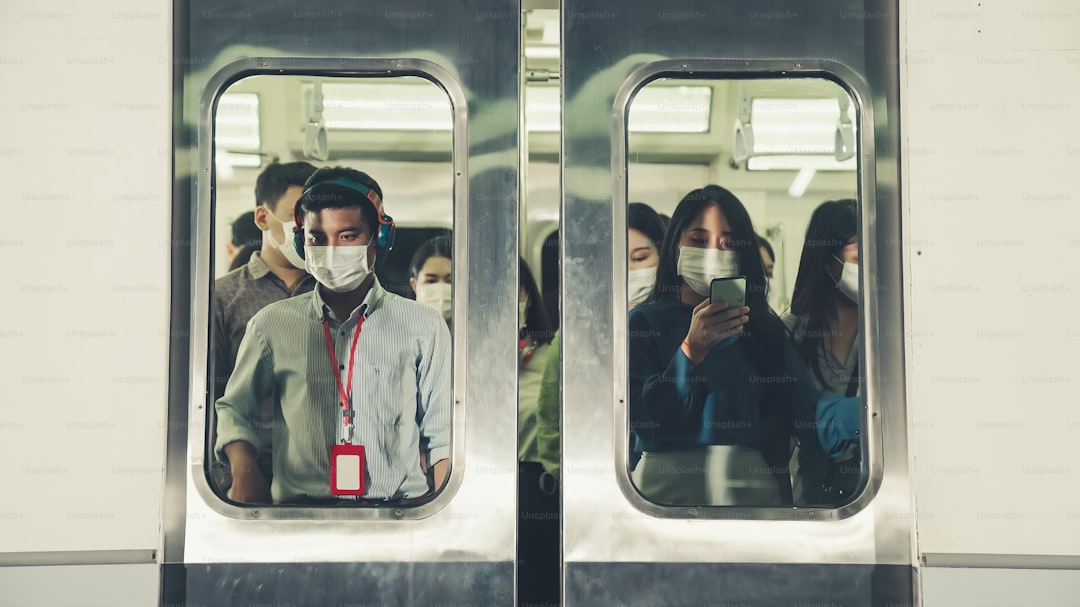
{"x": 538, "y": 529}
{"x": 774, "y": 297}
{"x": 644, "y": 235}
{"x": 768, "y": 258}
{"x": 430, "y": 274}
{"x": 272, "y": 273}
{"x": 243, "y": 256}
{"x": 244, "y": 233}
{"x": 824, "y": 322}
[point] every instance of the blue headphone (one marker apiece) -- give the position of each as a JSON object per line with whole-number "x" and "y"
{"x": 384, "y": 235}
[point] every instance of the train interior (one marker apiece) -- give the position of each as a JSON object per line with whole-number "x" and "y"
{"x": 781, "y": 145}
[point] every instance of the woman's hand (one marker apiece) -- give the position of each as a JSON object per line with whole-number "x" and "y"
{"x": 710, "y": 324}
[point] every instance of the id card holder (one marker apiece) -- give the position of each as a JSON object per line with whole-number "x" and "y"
{"x": 347, "y": 470}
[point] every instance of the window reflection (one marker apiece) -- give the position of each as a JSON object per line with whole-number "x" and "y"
{"x": 330, "y": 388}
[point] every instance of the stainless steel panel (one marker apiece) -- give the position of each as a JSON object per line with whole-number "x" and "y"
{"x": 473, "y": 520}
{"x": 347, "y": 584}
{"x": 608, "y": 48}
{"x": 739, "y": 584}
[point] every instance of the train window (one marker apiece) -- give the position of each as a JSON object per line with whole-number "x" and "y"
{"x": 743, "y": 294}
{"x": 331, "y": 350}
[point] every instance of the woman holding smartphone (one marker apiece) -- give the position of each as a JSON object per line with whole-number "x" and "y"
{"x": 718, "y": 391}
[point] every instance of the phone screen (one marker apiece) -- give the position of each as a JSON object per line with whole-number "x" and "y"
{"x": 731, "y": 289}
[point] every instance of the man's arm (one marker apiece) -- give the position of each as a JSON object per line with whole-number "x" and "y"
{"x": 434, "y": 399}
{"x": 237, "y": 417}
{"x": 249, "y": 484}
{"x": 440, "y": 473}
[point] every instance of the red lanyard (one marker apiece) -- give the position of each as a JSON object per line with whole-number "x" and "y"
{"x": 346, "y": 397}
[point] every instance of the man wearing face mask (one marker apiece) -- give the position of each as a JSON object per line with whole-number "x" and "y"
{"x": 273, "y": 273}
{"x": 360, "y": 377}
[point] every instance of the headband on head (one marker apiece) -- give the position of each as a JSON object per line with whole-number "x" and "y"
{"x": 384, "y": 234}
{"x": 344, "y": 182}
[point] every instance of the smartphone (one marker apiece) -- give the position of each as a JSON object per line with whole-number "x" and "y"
{"x": 731, "y": 289}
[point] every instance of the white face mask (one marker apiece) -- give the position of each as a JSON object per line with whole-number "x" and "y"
{"x": 340, "y": 269}
{"x": 849, "y": 280}
{"x": 287, "y": 249}
{"x": 639, "y": 284}
{"x": 699, "y": 267}
{"x": 435, "y": 295}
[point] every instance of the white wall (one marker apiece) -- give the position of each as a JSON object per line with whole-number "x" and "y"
{"x": 85, "y": 151}
{"x": 991, "y": 114}
{"x": 999, "y": 588}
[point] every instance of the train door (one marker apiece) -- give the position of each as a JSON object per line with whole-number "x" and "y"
{"x": 424, "y": 82}
{"x": 624, "y": 543}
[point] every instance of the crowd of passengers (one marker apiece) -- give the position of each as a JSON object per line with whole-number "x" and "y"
{"x": 329, "y": 389}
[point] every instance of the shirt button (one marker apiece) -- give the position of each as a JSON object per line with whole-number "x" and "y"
{"x": 342, "y": 367}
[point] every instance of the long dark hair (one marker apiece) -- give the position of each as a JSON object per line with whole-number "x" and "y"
{"x": 538, "y": 326}
{"x": 832, "y": 225}
{"x": 643, "y": 218}
{"x": 764, "y": 333}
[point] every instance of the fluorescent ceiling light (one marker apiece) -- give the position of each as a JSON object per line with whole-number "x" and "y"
{"x": 542, "y": 109}
{"x": 226, "y": 163}
{"x": 801, "y": 182}
{"x": 671, "y": 109}
{"x": 541, "y": 52}
{"x": 798, "y": 163}
{"x": 239, "y": 160}
{"x": 236, "y": 123}
{"x": 795, "y": 126}
{"x": 386, "y": 106}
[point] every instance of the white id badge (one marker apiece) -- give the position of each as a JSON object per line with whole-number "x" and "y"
{"x": 347, "y": 470}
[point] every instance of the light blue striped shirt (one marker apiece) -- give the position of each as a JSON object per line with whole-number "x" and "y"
{"x": 401, "y": 392}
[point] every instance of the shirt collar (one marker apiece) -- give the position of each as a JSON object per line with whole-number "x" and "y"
{"x": 372, "y": 301}
{"x": 257, "y": 267}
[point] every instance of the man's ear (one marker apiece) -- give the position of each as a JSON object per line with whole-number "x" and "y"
{"x": 260, "y": 218}
{"x": 230, "y": 250}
